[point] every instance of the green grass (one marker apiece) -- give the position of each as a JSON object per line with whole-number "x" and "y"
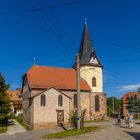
{"x": 19, "y": 119}
{"x": 96, "y": 121}
{"x": 3, "y": 129}
{"x": 72, "y": 132}
{"x": 136, "y": 118}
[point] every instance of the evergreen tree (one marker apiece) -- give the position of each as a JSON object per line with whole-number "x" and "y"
{"x": 4, "y": 101}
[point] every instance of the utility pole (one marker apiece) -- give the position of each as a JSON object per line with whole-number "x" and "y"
{"x": 138, "y": 100}
{"x": 78, "y": 91}
{"x": 113, "y": 104}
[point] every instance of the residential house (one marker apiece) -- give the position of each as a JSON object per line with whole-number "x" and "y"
{"x": 130, "y": 103}
{"x": 15, "y": 101}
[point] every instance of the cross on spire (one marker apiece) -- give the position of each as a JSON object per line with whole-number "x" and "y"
{"x": 85, "y": 21}
{"x": 34, "y": 61}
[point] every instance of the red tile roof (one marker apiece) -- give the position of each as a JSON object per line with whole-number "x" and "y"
{"x": 14, "y": 95}
{"x": 61, "y": 78}
{"x": 129, "y": 94}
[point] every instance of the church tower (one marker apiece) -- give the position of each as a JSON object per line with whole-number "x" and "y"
{"x": 91, "y": 71}
{"x": 90, "y": 66}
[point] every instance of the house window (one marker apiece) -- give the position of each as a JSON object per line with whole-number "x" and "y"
{"x": 42, "y": 100}
{"x": 60, "y": 100}
{"x": 94, "y": 82}
{"x": 75, "y": 100}
{"x": 97, "y": 103}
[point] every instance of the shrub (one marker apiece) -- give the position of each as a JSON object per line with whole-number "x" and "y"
{"x": 73, "y": 118}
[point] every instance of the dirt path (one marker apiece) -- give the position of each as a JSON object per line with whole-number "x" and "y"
{"x": 109, "y": 131}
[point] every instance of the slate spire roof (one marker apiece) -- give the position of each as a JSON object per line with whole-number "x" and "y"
{"x": 87, "y": 51}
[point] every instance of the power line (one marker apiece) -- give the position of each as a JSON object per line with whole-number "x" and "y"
{"x": 118, "y": 45}
{"x": 42, "y": 8}
{"x": 67, "y": 41}
{"x": 21, "y": 23}
{"x": 46, "y": 30}
{"x": 52, "y": 27}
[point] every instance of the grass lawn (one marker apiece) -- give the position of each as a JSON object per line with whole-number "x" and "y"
{"x": 72, "y": 132}
{"x": 97, "y": 121}
{"x": 3, "y": 129}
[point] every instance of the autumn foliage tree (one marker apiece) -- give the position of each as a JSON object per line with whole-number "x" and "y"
{"x": 4, "y": 102}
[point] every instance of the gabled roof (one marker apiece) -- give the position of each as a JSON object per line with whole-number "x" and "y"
{"x": 43, "y": 77}
{"x": 34, "y": 95}
{"x": 86, "y": 49}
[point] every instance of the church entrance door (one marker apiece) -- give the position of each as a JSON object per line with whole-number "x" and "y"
{"x": 60, "y": 117}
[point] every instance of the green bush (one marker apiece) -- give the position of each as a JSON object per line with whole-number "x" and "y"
{"x": 3, "y": 129}
{"x": 73, "y": 118}
{"x": 19, "y": 119}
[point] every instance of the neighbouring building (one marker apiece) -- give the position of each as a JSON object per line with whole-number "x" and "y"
{"x": 15, "y": 101}
{"x": 49, "y": 93}
{"x": 131, "y": 103}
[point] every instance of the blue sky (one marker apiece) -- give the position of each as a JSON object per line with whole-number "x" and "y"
{"x": 53, "y": 37}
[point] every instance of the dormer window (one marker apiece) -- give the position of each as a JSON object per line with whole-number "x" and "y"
{"x": 93, "y": 82}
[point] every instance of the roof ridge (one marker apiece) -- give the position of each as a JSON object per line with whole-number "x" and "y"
{"x": 43, "y": 66}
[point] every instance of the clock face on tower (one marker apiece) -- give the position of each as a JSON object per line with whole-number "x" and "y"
{"x": 93, "y": 60}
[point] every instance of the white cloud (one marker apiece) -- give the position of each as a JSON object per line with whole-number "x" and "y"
{"x": 128, "y": 87}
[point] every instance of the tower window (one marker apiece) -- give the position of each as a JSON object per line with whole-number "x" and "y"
{"x": 97, "y": 103}
{"x": 43, "y": 100}
{"x": 94, "y": 82}
{"x": 60, "y": 100}
{"x": 75, "y": 100}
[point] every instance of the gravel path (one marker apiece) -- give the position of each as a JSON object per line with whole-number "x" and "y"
{"x": 107, "y": 131}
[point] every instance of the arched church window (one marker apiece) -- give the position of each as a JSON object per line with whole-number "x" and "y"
{"x": 60, "y": 100}
{"x": 43, "y": 100}
{"x": 75, "y": 100}
{"x": 94, "y": 82}
{"x": 97, "y": 103}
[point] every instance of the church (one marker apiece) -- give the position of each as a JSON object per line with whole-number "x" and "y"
{"x": 50, "y": 93}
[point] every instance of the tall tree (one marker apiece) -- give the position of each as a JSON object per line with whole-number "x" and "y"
{"x": 4, "y": 101}
{"x": 117, "y": 105}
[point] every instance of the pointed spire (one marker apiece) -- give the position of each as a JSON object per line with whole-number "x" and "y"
{"x": 86, "y": 51}
{"x": 86, "y": 47}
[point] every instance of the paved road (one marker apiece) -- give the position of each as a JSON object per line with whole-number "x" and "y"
{"x": 108, "y": 131}
{"x": 14, "y": 128}
{"x": 17, "y": 132}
